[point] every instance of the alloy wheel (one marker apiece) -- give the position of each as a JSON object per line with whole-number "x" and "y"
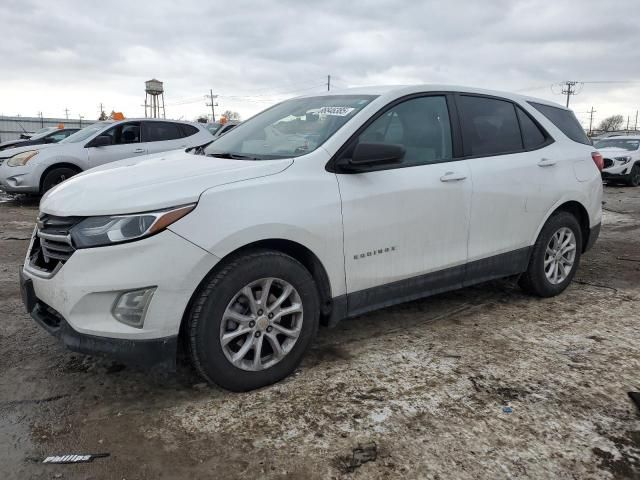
{"x": 560, "y": 255}
{"x": 261, "y": 324}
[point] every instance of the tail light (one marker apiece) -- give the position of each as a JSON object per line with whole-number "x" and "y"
{"x": 598, "y": 160}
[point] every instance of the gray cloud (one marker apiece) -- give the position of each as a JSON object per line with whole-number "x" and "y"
{"x": 75, "y": 54}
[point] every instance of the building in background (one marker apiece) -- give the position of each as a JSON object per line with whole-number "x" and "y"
{"x": 12, "y": 127}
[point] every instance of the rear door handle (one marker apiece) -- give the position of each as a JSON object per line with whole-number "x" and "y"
{"x": 452, "y": 177}
{"x": 139, "y": 150}
{"x": 546, "y": 162}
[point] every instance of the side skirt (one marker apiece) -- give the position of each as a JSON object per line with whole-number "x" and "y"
{"x": 478, "y": 271}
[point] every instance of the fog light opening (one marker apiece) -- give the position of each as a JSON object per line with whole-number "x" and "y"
{"x": 130, "y": 307}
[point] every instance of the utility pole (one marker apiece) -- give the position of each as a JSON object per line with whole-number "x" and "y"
{"x": 591, "y": 112}
{"x": 635, "y": 126}
{"x": 568, "y": 89}
{"x": 328, "y": 83}
{"x": 66, "y": 113}
{"x": 41, "y": 120}
{"x": 212, "y": 104}
{"x": 81, "y": 117}
{"x": 627, "y": 124}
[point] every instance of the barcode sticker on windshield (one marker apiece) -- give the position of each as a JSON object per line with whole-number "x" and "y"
{"x": 337, "y": 111}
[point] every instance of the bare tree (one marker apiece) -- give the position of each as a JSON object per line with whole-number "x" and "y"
{"x": 230, "y": 115}
{"x": 609, "y": 124}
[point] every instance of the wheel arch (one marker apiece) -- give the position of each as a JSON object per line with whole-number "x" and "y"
{"x": 58, "y": 165}
{"x": 581, "y": 214}
{"x": 289, "y": 247}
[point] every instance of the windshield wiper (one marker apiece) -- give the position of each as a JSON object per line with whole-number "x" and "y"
{"x": 233, "y": 156}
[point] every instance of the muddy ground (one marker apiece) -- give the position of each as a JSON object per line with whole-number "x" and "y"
{"x": 427, "y": 381}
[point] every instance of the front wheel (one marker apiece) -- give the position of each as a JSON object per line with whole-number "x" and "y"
{"x": 251, "y": 324}
{"x": 56, "y": 176}
{"x": 634, "y": 176}
{"x": 555, "y": 256}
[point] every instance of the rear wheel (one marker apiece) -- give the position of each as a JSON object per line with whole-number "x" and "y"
{"x": 56, "y": 176}
{"x": 634, "y": 176}
{"x": 555, "y": 256}
{"x": 253, "y": 321}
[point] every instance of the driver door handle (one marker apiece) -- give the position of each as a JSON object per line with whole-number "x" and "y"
{"x": 452, "y": 177}
{"x": 546, "y": 162}
{"x": 139, "y": 150}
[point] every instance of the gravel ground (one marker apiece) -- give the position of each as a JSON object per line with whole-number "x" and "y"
{"x": 484, "y": 382}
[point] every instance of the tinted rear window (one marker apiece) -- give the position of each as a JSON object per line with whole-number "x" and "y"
{"x": 565, "y": 120}
{"x": 189, "y": 130}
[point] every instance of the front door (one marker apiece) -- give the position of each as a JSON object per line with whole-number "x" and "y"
{"x": 125, "y": 143}
{"x": 406, "y": 226}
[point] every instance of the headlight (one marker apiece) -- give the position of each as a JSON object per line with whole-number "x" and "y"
{"x": 100, "y": 231}
{"x": 21, "y": 158}
{"x": 623, "y": 159}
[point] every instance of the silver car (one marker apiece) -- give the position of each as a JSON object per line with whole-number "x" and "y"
{"x": 36, "y": 169}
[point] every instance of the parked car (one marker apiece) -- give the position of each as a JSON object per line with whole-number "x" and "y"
{"x": 320, "y": 208}
{"x": 621, "y": 156}
{"x": 36, "y": 170}
{"x": 218, "y": 129}
{"x": 51, "y": 135}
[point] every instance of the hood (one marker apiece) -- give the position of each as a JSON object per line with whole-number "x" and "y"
{"x": 16, "y": 141}
{"x": 616, "y": 151}
{"x": 150, "y": 183}
{"x": 10, "y": 152}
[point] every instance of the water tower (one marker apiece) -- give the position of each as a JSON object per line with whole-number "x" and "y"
{"x": 154, "y": 99}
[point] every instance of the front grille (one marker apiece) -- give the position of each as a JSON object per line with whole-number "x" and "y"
{"x": 52, "y": 245}
{"x": 608, "y": 163}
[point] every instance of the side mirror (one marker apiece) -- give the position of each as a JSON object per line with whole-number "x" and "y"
{"x": 367, "y": 156}
{"x": 101, "y": 141}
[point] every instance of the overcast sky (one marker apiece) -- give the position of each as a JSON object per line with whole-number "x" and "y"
{"x": 72, "y": 54}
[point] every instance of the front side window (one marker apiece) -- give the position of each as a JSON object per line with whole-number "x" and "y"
{"x": 124, "y": 134}
{"x": 420, "y": 125}
{"x": 290, "y": 129}
{"x": 489, "y": 126}
{"x": 161, "y": 131}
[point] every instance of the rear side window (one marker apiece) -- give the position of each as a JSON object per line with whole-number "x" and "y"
{"x": 565, "y": 120}
{"x": 189, "y": 130}
{"x": 489, "y": 126}
{"x": 532, "y": 136}
{"x": 161, "y": 131}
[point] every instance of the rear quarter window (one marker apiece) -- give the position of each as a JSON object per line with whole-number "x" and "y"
{"x": 565, "y": 120}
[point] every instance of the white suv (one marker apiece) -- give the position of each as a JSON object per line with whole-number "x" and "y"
{"x": 318, "y": 209}
{"x": 621, "y": 159}
{"x": 35, "y": 169}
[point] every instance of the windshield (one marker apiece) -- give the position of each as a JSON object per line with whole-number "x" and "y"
{"x": 213, "y": 127}
{"x": 43, "y": 133}
{"x": 626, "y": 144}
{"x": 289, "y": 129}
{"x": 85, "y": 133}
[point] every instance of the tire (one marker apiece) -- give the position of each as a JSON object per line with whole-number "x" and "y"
{"x": 56, "y": 176}
{"x": 535, "y": 280}
{"x": 634, "y": 176}
{"x": 224, "y": 294}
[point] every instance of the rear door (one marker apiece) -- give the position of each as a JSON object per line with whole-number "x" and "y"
{"x": 125, "y": 143}
{"x": 160, "y": 136}
{"x": 507, "y": 152}
{"x": 406, "y": 225}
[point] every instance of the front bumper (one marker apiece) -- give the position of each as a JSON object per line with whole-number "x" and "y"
{"x": 153, "y": 353}
{"x": 19, "y": 179}
{"x": 81, "y": 294}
